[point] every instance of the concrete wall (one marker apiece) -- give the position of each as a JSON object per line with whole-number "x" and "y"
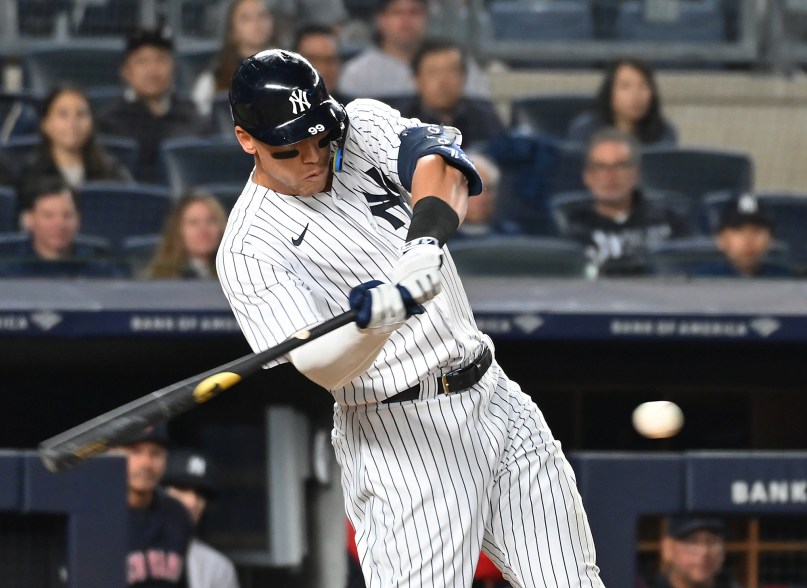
{"x": 763, "y": 115}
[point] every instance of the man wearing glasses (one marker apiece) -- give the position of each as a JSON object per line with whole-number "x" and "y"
{"x": 619, "y": 223}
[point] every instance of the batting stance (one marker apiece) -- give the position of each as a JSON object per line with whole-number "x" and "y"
{"x": 441, "y": 453}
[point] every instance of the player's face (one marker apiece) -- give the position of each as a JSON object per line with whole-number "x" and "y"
{"x": 68, "y": 122}
{"x": 149, "y": 71}
{"x": 631, "y": 95}
{"x": 201, "y": 230}
{"x": 193, "y": 501}
{"x": 252, "y": 26}
{"x": 53, "y": 224}
{"x": 441, "y": 79}
{"x": 745, "y": 246}
{"x": 696, "y": 559}
{"x": 145, "y": 465}
{"x": 610, "y": 174}
{"x": 300, "y": 169}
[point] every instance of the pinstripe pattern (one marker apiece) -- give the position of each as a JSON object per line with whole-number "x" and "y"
{"x": 427, "y": 483}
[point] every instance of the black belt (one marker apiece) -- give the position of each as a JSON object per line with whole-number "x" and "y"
{"x": 454, "y": 381}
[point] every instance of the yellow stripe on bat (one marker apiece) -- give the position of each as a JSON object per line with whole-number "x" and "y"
{"x": 209, "y": 387}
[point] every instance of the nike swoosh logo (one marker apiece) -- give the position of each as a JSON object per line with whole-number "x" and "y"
{"x": 299, "y": 239}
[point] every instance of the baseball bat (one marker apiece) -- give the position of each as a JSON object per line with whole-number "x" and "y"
{"x": 112, "y": 428}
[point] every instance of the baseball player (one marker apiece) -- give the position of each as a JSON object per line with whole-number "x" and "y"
{"x": 441, "y": 454}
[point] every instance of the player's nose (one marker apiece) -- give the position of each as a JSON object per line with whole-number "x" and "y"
{"x": 310, "y": 151}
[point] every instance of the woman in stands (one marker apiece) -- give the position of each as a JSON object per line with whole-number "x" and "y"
{"x": 68, "y": 148}
{"x": 628, "y": 99}
{"x": 191, "y": 237}
{"x": 248, "y": 29}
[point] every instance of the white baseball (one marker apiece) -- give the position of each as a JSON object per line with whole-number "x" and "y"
{"x": 658, "y": 420}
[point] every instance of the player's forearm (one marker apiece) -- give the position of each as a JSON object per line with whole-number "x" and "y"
{"x": 339, "y": 357}
{"x": 434, "y": 177}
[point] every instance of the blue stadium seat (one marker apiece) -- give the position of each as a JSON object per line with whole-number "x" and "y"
{"x": 550, "y": 113}
{"x": 568, "y": 173}
{"x": 788, "y": 210}
{"x": 541, "y": 20}
{"x": 528, "y": 165}
{"x": 93, "y": 65}
{"x": 689, "y": 256}
{"x": 226, "y": 193}
{"x": 18, "y": 149}
{"x": 108, "y": 18}
{"x": 8, "y": 209}
{"x": 194, "y": 163}
{"x": 125, "y": 149}
{"x": 117, "y": 210}
{"x": 138, "y": 251}
{"x": 222, "y": 117}
{"x": 698, "y": 21}
{"x": 696, "y": 172}
{"x": 18, "y": 115}
{"x": 191, "y": 61}
{"x": 521, "y": 256}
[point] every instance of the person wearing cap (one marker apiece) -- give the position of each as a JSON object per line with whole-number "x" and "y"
{"x": 160, "y": 529}
{"x": 190, "y": 477}
{"x": 149, "y": 111}
{"x": 692, "y": 554}
{"x": 745, "y": 236}
{"x": 383, "y": 70}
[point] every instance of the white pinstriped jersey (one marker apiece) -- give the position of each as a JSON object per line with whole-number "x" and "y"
{"x": 288, "y": 262}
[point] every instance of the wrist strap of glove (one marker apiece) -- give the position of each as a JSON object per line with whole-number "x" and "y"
{"x": 432, "y": 217}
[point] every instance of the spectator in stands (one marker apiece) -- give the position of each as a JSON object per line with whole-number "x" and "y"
{"x": 7, "y": 175}
{"x": 320, "y": 45}
{"x": 51, "y": 247}
{"x": 190, "y": 240}
{"x": 441, "y": 70}
{"x": 190, "y": 478}
{"x": 692, "y": 554}
{"x": 383, "y": 70}
{"x": 160, "y": 528}
{"x": 150, "y": 112}
{"x": 249, "y": 28}
{"x": 745, "y": 236}
{"x": 68, "y": 149}
{"x": 619, "y": 223}
{"x": 628, "y": 99}
{"x": 480, "y": 217}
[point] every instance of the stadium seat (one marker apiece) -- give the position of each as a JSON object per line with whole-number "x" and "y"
{"x": 191, "y": 61}
{"x": 541, "y": 20}
{"x": 108, "y": 18}
{"x": 550, "y": 114}
{"x": 789, "y": 213}
{"x": 688, "y": 256}
{"x": 18, "y": 115}
{"x": 11, "y": 241}
{"x": 8, "y": 209}
{"x": 125, "y": 149}
{"x": 528, "y": 165}
{"x": 137, "y": 251}
{"x": 226, "y": 193}
{"x": 93, "y": 65}
{"x": 222, "y": 117}
{"x": 18, "y": 149}
{"x": 117, "y": 210}
{"x": 696, "y": 172}
{"x": 194, "y": 163}
{"x": 568, "y": 173}
{"x": 697, "y": 21}
{"x": 521, "y": 256}
{"x": 563, "y": 204}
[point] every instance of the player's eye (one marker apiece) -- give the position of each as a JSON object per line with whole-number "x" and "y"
{"x": 290, "y": 154}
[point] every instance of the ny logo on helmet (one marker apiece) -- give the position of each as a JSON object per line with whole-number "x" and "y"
{"x": 299, "y": 99}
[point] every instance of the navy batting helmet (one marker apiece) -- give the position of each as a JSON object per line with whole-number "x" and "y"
{"x": 279, "y": 98}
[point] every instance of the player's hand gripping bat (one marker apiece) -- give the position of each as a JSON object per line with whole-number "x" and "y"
{"x": 113, "y": 428}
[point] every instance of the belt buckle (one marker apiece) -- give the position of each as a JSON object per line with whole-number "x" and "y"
{"x": 444, "y": 382}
